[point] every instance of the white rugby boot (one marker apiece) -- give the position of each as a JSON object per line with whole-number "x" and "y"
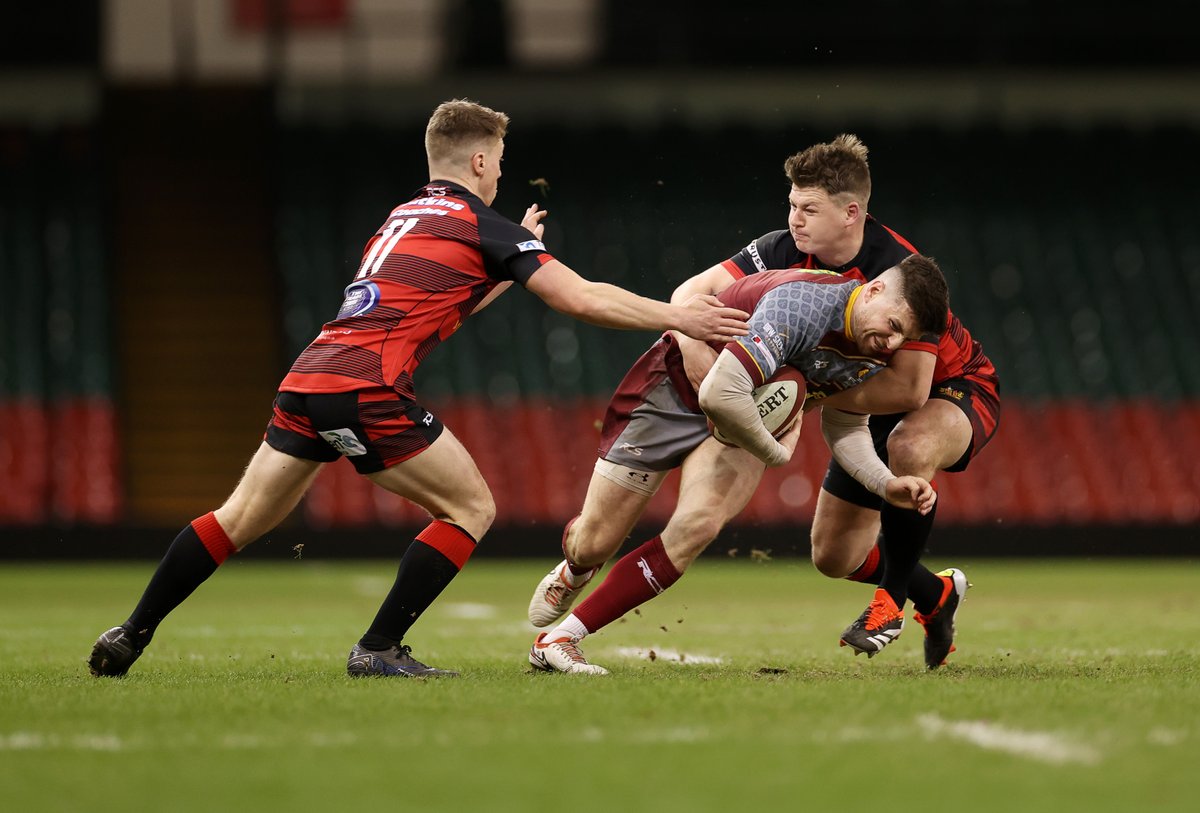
{"x": 561, "y": 655}
{"x": 555, "y": 595}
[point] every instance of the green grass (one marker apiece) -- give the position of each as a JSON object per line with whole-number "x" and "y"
{"x": 1076, "y": 687}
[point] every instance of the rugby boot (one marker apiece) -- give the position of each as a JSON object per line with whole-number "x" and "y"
{"x": 395, "y": 662}
{"x": 939, "y": 624}
{"x": 879, "y": 625}
{"x": 114, "y": 652}
{"x": 561, "y": 655}
{"x": 555, "y": 595}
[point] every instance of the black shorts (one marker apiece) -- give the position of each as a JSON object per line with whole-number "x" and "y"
{"x": 373, "y": 428}
{"x": 978, "y": 398}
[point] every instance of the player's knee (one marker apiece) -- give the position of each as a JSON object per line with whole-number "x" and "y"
{"x": 590, "y": 542}
{"x": 474, "y": 516}
{"x": 831, "y": 562}
{"x": 913, "y": 453}
{"x": 486, "y": 510}
{"x": 241, "y": 526}
{"x": 828, "y": 556}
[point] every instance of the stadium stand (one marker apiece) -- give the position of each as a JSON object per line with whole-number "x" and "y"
{"x": 59, "y": 453}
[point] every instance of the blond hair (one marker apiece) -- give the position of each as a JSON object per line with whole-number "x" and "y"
{"x": 839, "y": 167}
{"x": 460, "y": 127}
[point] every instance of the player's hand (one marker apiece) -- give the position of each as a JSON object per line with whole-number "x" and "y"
{"x": 791, "y": 437}
{"x": 698, "y": 358}
{"x": 706, "y": 319}
{"x": 533, "y": 220}
{"x": 913, "y": 493}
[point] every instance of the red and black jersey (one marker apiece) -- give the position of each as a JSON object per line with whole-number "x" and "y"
{"x": 957, "y": 353}
{"x": 427, "y": 267}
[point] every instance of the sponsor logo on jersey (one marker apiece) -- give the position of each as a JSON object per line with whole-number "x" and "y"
{"x": 531, "y": 245}
{"x": 950, "y": 392}
{"x": 359, "y": 298}
{"x": 409, "y": 211}
{"x": 344, "y": 442}
{"x": 629, "y": 447}
{"x": 773, "y": 336}
{"x": 449, "y": 204}
{"x": 752, "y": 250}
{"x": 765, "y": 359}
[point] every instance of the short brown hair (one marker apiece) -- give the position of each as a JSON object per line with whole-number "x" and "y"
{"x": 459, "y": 125}
{"x": 923, "y": 287}
{"x": 839, "y": 167}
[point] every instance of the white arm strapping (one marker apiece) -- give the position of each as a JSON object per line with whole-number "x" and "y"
{"x": 849, "y": 438}
{"x": 727, "y": 397}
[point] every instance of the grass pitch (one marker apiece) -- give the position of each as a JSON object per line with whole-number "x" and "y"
{"x": 1076, "y": 687}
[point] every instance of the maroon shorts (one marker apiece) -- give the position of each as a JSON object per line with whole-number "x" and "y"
{"x": 373, "y": 428}
{"x": 654, "y": 420}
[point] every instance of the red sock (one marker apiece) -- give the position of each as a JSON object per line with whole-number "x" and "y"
{"x": 869, "y": 570}
{"x": 449, "y": 540}
{"x": 213, "y": 537}
{"x": 636, "y": 578}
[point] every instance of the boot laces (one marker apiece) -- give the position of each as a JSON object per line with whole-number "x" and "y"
{"x": 880, "y": 613}
{"x": 571, "y": 649}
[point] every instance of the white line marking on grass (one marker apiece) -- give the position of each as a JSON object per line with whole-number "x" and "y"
{"x": 1165, "y": 736}
{"x": 34, "y": 741}
{"x": 465, "y": 609}
{"x": 1042, "y": 746}
{"x": 669, "y": 655}
{"x": 22, "y": 741}
{"x": 677, "y": 734}
{"x": 650, "y": 735}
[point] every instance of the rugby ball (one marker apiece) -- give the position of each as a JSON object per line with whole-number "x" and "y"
{"x": 780, "y": 401}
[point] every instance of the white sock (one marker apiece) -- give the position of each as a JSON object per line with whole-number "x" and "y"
{"x": 572, "y": 578}
{"x": 571, "y": 627}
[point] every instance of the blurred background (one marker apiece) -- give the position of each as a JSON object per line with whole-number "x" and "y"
{"x": 186, "y": 187}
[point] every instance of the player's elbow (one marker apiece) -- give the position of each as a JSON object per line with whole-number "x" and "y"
{"x": 709, "y": 398}
{"x": 912, "y": 399}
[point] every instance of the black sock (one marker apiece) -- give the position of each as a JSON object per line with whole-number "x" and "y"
{"x": 904, "y": 534}
{"x": 924, "y": 589}
{"x": 185, "y": 567}
{"x": 423, "y": 574}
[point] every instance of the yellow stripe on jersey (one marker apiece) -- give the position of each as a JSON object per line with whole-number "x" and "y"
{"x": 749, "y": 351}
{"x": 849, "y": 307}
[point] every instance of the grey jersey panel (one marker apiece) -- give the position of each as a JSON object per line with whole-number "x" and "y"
{"x": 790, "y": 320}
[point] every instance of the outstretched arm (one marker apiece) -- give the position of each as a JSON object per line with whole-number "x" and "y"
{"x": 599, "y": 303}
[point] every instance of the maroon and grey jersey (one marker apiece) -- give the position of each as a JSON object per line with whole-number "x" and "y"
{"x": 427, "y": 267}
{"x": 799, "y": 318}
{"x": 957, "y": 353}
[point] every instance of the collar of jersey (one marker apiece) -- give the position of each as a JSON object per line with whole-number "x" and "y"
{"x": 850, "y": 307}
{"x": 451, "y": 185}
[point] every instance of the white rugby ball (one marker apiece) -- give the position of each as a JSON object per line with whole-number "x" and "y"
{"x": 780, "y": 401}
